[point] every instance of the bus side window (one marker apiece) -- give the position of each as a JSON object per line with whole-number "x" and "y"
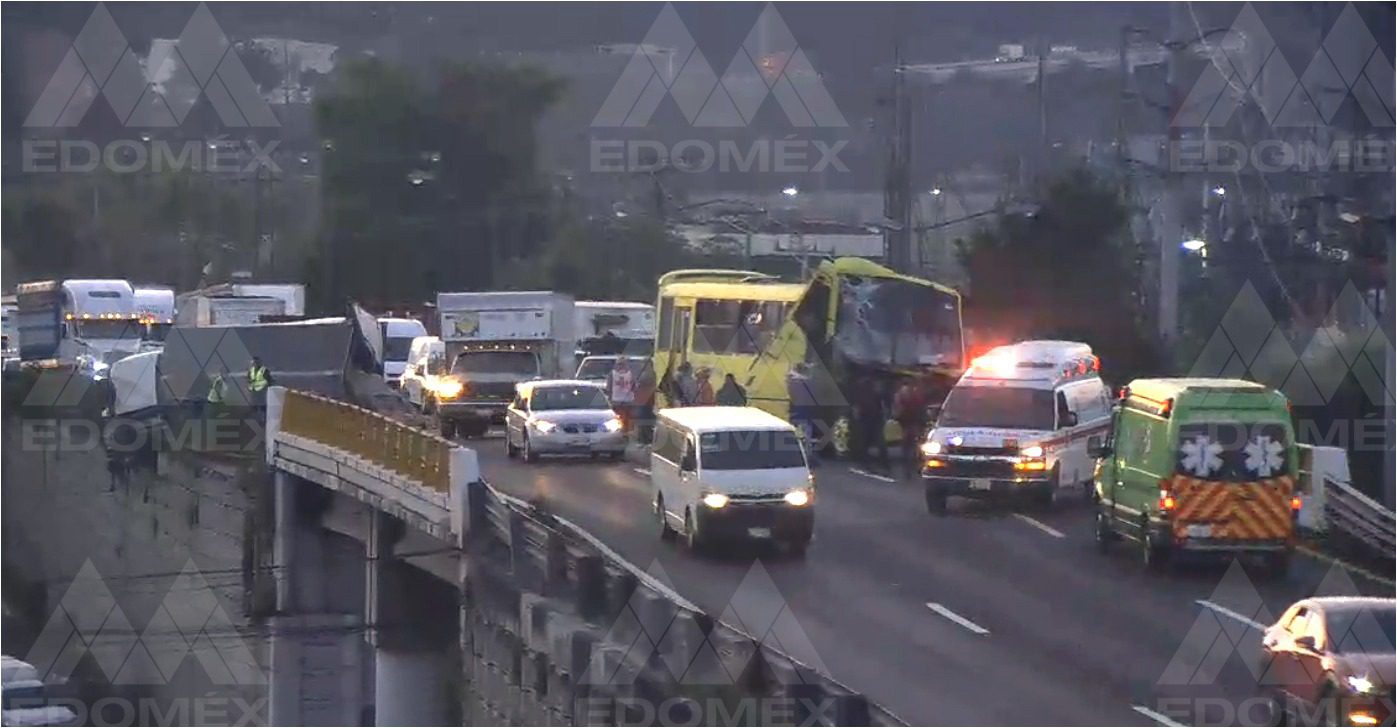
{"x": 665, "y": 324}
{"x": 682, "y": 317}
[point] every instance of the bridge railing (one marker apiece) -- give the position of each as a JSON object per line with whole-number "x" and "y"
{"x": 410, "y": 451}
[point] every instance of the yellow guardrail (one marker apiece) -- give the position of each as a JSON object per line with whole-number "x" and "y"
{"x": 410, "y": 451}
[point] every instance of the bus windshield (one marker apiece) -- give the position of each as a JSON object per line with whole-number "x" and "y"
{"x": 895, "y": 322}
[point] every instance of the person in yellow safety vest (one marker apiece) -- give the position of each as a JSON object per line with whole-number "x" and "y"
{"x": 258, "y": 379}
{"x": 218, "y": 390}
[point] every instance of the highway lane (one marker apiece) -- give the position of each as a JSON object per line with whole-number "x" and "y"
{"x": 1030, "y": 626}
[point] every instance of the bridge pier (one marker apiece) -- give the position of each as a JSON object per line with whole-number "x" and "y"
{"x": 413, "y": 621}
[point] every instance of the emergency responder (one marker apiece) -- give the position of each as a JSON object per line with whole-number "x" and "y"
{"x": 258, "y": 379}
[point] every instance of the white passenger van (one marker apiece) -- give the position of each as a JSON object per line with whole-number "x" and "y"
{"x": 729, "y": 473}
{"x": 426, "y": 364}
{"x": 1017, "y": 424}
{"x": 398, "y": 335}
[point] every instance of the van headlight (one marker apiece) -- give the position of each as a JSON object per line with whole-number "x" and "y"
{"x": 544, "y": 426}
{"x": 1032, "y": 451}
{"x": 931, "y": 447}
{"x": 715, "y": 500}
{"x": 612, "y": 425}
{"x": 798, "y": 497}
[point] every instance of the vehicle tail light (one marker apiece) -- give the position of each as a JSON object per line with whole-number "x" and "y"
{"x": 1167, "y": 502}
{"x": 1295, "y": 504}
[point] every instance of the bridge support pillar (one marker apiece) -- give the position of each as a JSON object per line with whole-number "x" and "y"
{"x": 413, "y": 620}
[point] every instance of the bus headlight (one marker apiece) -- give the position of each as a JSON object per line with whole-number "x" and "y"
{"x": 715, "y": 500}
{"x": 798, "y": 497}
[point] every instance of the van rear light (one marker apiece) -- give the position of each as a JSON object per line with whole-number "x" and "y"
{"x": 1166, "y": 501}
{"x": 1295, "y": 504}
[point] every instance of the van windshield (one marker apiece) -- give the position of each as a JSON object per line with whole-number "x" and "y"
{"x": 1010, "y": 408}
{"x": 396, "y": 348}
{"x": 523, "y": 363}
{"x": 751, "y": 450}
{"x": 1233, "y": 452}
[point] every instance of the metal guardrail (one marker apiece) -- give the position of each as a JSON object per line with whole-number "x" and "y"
{"x": 1359, "y": 517}
{"x": 412, "y": 452}
{"x": 561, "y": 558}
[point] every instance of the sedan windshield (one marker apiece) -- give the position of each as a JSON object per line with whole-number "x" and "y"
{"x": 751, "y": 450}
{"x": 568, "y": 398}
{"x": 1010, "y": 408}
{"x": 1362, "y": 630}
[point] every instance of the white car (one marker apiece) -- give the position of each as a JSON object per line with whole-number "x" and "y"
{"x": 730, "y": 473}
{"x": 562, "y": 417}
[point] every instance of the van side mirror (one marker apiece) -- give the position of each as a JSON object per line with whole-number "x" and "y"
{"x": 689, "y": 463}
{"x": 1069, "y": 419}
{"x": 1097, "y": 447}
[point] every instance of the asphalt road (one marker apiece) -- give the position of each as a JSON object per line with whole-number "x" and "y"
{"x": 984, "y": 616}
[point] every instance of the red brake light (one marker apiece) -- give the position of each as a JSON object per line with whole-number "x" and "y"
{"x": 1295, "y": 503}
{"x": 1168, "y": 503}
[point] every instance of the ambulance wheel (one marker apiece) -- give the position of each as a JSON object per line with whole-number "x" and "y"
{"x": 1152, "y": 554}
{"x": 1104, "y": 536}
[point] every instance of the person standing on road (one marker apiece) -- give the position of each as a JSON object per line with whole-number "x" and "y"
{"x": 870, "y": 417}
{"x": 644, "y": 405}
{"x": 909, "y": 409}
{"x": 621, "y": 391}
{"x": 732, "y": 394}
{"x": 704, "y": 397}
{"x": 685, "y": 389}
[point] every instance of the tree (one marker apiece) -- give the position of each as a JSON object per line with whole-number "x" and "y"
{"x": 1069, "y": 271}
{"x": 428, "y": 187}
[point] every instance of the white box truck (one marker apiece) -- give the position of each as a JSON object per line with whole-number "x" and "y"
{"x": 493, "y": 341}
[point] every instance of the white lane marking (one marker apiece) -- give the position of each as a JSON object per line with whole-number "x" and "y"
{"x": 875, "y": 476}
{"x": 962, "y": 621}
{"x": 1224, "y": 611}
{"x": 642, "y": 471}
{"x": 1041, "y": 526}
{"x": 1157, "y": 717}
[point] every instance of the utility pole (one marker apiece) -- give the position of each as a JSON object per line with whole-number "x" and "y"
{"x": 1171, "y": 231}
{"x": 897, "y": 192}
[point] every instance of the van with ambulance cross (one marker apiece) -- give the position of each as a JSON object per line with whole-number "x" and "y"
{"x": 1016, "y": 425}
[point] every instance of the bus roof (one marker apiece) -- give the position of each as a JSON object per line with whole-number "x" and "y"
{"x": 711, "y": 275}
{"x": 784, "y": 292}
{"x": 866, "y": 267}
{"x": 723, "y": 419}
